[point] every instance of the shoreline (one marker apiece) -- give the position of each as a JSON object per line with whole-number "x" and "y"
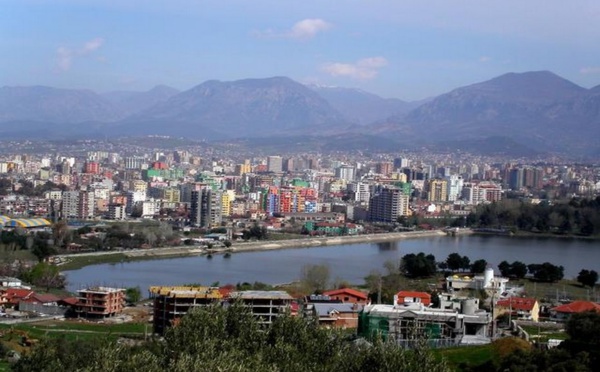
{"x": 190, "y": 251}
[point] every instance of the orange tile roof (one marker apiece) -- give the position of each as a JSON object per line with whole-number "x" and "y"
{"x": 578, "y": 307}
{"x": 413, "y": 294}
{"x": 350, "y": 291}
{"x": 517, "y": 303}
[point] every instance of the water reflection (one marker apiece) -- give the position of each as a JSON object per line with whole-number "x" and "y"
{"x": 388, "y": 246}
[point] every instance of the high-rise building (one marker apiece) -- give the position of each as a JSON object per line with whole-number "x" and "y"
{"x": 205, "y": 208}
{"x": 384, "y": 168}
{"x": 274, "y": 164}
{"x": 516, "y": 178}
{"x": 92, "y": 167}
{"x": 455, "y": 185}
{"x": 87, "y": 205}
{"x": 345, "y": 172}
{"x": 361, "y": 191}
{"x": 438, "y": 190}
{"x": 387, "y": 204}
{"x": 401, "y": 163}
{"x": 70, "y": 204}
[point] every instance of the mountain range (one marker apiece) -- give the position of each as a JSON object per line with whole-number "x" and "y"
{"x": 520, "y": 112}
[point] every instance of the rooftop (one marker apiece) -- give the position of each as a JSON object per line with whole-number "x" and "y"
{"x": 267, "y": 295}
{"x": 186, "y": 292}
{"x": 578, "y": 307}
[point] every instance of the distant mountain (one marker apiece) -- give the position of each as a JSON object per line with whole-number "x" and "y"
{"x": 130, "y": 102}
{"x": 538, "y": 108}
{"x": 251, "y": 107}
{"x": 358, "y": 106}
{"x": 52, "y": 105}
{"x": 515, "y": 112}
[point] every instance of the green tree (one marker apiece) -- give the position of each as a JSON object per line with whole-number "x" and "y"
{"x": 133, "y": 294}
{"x": 518, "y": 269}
{"x": 505, "y": 268}
{"x": 418, "y": 265}
{"x": 315, "y": 278}
{"x": 587, "y": 277}
{"x": 546, "y": 272}
{"x": 230, "y": 338}
{"x": 478, "y": 266}
{"x": 45, "y": 275}
{"x": 454, "y": 261}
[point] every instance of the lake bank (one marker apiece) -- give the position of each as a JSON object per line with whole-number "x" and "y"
{"x": 78, "y": 260}
{"x": 349, "y": 262}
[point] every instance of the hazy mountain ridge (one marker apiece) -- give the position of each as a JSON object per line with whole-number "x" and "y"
{"x": 53, "y": 105}
{"x": 358, "y": 106}
{"x": 538, "y": 108}
{"x": 131, "y": 102}
{"x": 249, "y": 107}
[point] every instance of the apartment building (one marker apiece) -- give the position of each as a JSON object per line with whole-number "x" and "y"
{"x": 99, "y": 302}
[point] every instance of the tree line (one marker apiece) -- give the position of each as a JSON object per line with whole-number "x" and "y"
{"x": 230, "y": 338}
{"x": 421, "y": 265}
{"x": 578, "y": 216}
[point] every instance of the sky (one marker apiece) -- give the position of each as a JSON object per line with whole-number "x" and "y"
{"x": 394, "y": 48}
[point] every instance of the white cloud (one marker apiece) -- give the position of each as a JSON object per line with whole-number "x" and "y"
{"x": 92, "y": 45}
{"x": 589, "y": 70}
{"x": 302, "y": 30}
{"x": 484, "y": 59}
{"x": 66, "y": 55}
{"x": 364, "y": 69}
{"x": 308, "y": 28}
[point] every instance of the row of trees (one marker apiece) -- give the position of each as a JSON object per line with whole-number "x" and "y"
{"x": 230, "y": 339}
{"x": 423, "y": 266}
{"x": 545, "y": 272}
{"x": 578, "y": 216}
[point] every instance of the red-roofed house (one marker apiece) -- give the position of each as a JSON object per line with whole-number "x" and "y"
{"x": 520, "y": 307}
{"x": 12, "y": 296}
{"x": 43, "y": 299}
{"x": 564, "y": 311}
{"x": 347, "y": 295}
{"x": 413, "y": 296}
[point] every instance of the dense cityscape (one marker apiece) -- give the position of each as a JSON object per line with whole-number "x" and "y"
{"x": 299, "y": 186}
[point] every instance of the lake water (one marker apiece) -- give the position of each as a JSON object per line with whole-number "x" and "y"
{"x": 348, "y": 262}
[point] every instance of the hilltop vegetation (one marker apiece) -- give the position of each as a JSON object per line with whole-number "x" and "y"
{"x": 230, "y": 339}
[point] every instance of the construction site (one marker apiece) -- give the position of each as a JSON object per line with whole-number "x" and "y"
{"x": 408, "y": 324}
{"x": 171, "y": 303}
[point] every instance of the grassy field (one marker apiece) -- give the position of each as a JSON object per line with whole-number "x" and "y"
{"x": 542, "y": 335}
{"x": 79, "y": 262}
{"x": 564, "y": 289}
{"x": 72, "y": 330}
{"x": 469, "y": 355}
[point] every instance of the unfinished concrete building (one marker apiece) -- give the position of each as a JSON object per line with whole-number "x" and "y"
{"x": 265, "y": 305}
{"x": 100, "y": 302}
{"x": 410, "y": 323}
{"x": 171, "y": 303}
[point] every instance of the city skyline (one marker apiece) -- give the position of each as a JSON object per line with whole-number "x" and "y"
{"x": 393, "y": 49}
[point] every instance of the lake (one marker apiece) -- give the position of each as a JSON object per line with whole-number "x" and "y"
{"x": 349, "y": 262}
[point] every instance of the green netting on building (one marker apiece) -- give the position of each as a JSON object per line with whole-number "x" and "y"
{"x": 370, "y": 326}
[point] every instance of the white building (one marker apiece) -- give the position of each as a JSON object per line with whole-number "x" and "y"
{"x": 455, "y": 186}
{"x": 487, "y": 282}
{"x": 345, "y": 172}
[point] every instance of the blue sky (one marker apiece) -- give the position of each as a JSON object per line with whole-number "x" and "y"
{"x": 394, "y": 48}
